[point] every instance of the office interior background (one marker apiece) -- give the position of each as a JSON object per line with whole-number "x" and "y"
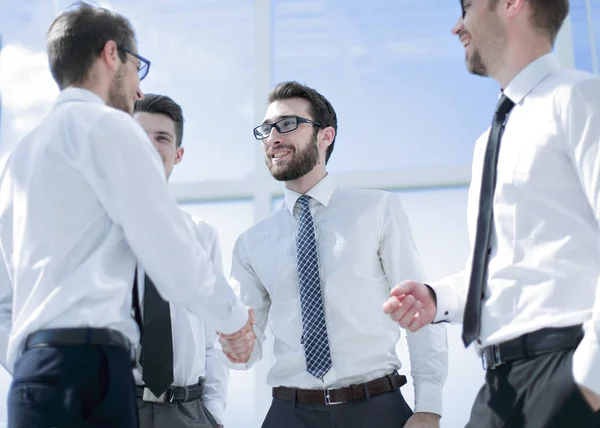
{"x": 409, "y": 115}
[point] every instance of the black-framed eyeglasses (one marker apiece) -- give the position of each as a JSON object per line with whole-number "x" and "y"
{"x": 286, "y": 124}
{"x": 144, "y": 63}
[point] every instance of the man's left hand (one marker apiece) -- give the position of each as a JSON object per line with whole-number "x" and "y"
{"x": 423, "y": 420}
{"x": 591, "y": 397}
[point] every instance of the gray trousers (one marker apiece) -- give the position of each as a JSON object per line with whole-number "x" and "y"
{"x": 388, "y": 410}
{"x": 191, "y": 414}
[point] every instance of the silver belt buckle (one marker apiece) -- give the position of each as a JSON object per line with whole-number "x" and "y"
{"x": 151, "y": 398}
{"x": 494, "y": 355}
{"x": 327, "y": 395}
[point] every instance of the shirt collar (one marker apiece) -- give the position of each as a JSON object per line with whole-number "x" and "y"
{"x": 530, "y": 76}
{"x": 78, "y": 94}
{"x": 321, "y": 192}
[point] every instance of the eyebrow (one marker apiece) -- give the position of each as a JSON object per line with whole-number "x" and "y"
{"x": 168, "y": 134}
{"x": 277, "y": 118}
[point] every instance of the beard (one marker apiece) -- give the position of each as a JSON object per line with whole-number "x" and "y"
{"x": 476, "y": 66}
{"x": 116, "y": 93}
{"x": 301, "y": 163}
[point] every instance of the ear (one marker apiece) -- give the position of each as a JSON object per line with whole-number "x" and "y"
{"x": 179, "y": 155}
{"x": 327, "y": 137}
{"x": 110, "y": 55}
{"x": 512, "y": 7}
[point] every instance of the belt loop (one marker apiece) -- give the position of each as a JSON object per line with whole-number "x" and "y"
{"x": 294, "y": 395}
{"x": 367, "y": 393}
{"x": 524, "y": 345}
{"x": 186, "y": 394}
{"x": 392, "y": 383}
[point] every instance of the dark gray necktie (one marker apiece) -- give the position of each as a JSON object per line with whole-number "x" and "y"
{"x": 157, "y": 341}
{"x": 482, "y": 248}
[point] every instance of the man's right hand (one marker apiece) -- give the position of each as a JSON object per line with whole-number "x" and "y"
{"x": 238, "y": 346}
{"x": 411, "y": 304}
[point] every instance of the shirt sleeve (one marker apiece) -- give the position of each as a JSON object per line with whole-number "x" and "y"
{"x": 428, "y": 348}
{"x": 451, "y": 291}
{"x": 6, "y": 299}
{"x": 214, "y": 393}
{"x": 581, "y": 128}
{"x": 125, "y": 172}
{"x": 253, "y": 294}
{"x": 451, "y": 296}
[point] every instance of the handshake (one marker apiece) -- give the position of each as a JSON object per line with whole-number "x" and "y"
{"x": 238, "y": 346}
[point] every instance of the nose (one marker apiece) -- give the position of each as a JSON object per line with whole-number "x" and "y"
{"x": 274, "y": 139}
{"x": 458, "y": 27}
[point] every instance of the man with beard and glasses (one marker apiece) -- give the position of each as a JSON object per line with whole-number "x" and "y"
{"x": 82, "y": 198}
{"x": 529, "y": 296}
{"x": 318, "y": 270}
{"x": 198, "y": 389}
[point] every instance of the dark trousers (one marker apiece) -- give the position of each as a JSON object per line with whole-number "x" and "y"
{"x": 72, "y": 387}
{"x": 537, "y": 392}
{"x": 388, "y": 410}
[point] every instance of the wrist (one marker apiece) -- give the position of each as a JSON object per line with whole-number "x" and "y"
{"x": 432, "y": 293}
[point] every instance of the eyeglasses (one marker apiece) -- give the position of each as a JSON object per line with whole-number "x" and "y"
{"x": 287, "y": 124}
{"x": 144, "y": 64}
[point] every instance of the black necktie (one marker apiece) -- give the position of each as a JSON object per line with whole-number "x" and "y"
{"x": 157, "y": 341}
{"x": 475, "y": 296}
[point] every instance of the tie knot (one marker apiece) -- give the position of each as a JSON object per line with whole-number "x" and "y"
{"x": 504, "y": 106}
{"x": 303, "y": 201}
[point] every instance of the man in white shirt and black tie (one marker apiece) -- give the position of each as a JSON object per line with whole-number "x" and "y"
{"x": 530, "y": 294}
{"x": 196, "y": 389}
{"x": 83, "y": 198}
{"x": 318, "y": 270}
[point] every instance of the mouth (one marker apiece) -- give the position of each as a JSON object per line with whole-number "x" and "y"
{"x": 280, "y": 155}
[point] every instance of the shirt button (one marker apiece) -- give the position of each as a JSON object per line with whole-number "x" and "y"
{"x": 446, "y": 313}
{"x": 479, "y": 341}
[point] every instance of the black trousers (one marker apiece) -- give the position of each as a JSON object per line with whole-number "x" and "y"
{"x": 538, "y": 392}
{"x": 387, "y": 410}
{"x": 72, "y": 387}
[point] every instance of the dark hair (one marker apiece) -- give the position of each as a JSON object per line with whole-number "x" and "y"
{"x": 77, "y": 36}
{"x": 547, "y": 15}
{"x": 321, "y": 110}
{"x": 161, "y": 104}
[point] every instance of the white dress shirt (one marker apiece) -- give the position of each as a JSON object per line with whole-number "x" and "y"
{"x": 365, "y": 247}
{"x": 544, "y": 269}
{"x": 82, "y": 198}
{"x": 194, "y": 352}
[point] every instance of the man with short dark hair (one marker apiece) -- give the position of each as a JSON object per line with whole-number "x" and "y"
{"x": 198, "y": 391}
{"x": 318, "y": 270}
{"x": 83, "y": 198}
{"x": 529, "y": 297}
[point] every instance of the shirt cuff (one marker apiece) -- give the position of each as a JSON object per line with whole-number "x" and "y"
{"x": 448, "y": 308}
{"x": 586, "y": 363}
{"x": 237, "y": 319}
{"x": 428, "y": 398}
{"x": 217, "y": 409}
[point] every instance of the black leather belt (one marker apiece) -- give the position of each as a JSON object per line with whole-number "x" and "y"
{"x": 532, "y": 344}
{"x": 179, "y": 394}
{"x": 388, "y": 383}
{"x": 77, "y": 336}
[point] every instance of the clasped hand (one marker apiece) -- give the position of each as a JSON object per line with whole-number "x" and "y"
{"x": 238, "y": 346}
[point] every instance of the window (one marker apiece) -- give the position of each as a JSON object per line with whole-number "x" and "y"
{"x": 394, "y": 74}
